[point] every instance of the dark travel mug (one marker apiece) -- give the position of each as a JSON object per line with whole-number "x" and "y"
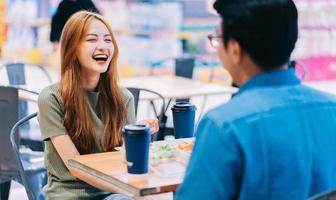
{"x": 183, "y": 119}
{"x": 137, "y": 140}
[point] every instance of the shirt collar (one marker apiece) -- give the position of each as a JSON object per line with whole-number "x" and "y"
{"x": 271, "y": 78}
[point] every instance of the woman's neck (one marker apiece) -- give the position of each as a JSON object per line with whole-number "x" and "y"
{"x": 90, "y": 82}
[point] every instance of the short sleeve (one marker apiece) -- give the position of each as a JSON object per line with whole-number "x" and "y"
{"x": 130, "y": 108}
{"x": 50, "y": 115}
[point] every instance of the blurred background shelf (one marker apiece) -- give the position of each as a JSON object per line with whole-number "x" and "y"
{"x": 153, "y": 30}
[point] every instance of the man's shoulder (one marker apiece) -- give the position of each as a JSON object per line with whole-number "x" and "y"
{"x": 237, "y": 107}
{"x": 318, "y": 94}
{"x": 234, "y": 109}
{"x": 263, "y": 100}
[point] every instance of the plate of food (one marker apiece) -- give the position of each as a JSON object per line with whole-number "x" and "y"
{"x": 170, "y": 151}
{"x": 185, "y": 146}
{"x": 162, "y": 153}
{"x": 169, "y": 157}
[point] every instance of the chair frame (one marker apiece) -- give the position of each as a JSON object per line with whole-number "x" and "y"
{"x": 18, "y": 77}
{"x": 13, "y": 168}
{"x": 8, "y": 100}
{"x": 325, "y": 195}
{"x": 159, "y": 116}
{"x": 38, "y": 145}
{"x": 5, "y": 65}
{"x": 13, "y": 136}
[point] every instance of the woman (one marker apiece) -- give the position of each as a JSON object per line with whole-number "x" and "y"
{"x": 86, "y": 111}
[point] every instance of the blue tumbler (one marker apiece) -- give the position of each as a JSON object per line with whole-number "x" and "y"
{"x": 137, "y": 140}
{"x": 183, "y": 119}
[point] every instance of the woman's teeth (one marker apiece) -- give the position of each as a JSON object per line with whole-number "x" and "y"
{"x": 100, "y": 57}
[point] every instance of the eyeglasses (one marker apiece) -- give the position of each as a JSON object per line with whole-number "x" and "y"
{"x": 215, "y": 39}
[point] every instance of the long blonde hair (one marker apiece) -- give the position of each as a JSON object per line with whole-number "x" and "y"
{"x": 77, "y": 116}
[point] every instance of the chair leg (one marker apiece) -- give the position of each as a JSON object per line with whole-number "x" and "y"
{"x": 162, "y": 130}
{"x": 36, "y": 181}
{"x": 4, "y": 190}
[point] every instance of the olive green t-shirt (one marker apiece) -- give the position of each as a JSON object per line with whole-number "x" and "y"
{"x": 61, "y": 184}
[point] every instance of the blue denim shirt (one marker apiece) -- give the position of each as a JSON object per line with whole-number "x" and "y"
{"x": 275, "y": 140}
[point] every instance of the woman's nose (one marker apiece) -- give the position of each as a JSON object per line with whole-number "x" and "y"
{"x": 101, "y": 44}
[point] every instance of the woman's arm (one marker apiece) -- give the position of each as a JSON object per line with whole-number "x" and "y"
{"x": 67, "y": 150}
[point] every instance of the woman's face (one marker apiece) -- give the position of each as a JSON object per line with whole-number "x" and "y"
{"x": 95, "y": 50}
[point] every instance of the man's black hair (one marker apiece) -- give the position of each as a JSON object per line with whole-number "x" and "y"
{"x": 267, "y": 30}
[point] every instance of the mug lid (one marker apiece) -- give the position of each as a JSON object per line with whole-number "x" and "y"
{"x": 136, "y": 127}
{"x": 183, "y": 104}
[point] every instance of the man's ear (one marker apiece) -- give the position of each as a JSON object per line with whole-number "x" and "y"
{"x": 235, "y": 51}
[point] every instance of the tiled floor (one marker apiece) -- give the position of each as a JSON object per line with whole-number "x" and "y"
{"x": 17, "y": 192}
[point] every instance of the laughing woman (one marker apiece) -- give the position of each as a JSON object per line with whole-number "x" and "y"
{"x": 85, "y": 112}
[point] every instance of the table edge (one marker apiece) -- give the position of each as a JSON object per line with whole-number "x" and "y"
{"x": 116, "y": 182}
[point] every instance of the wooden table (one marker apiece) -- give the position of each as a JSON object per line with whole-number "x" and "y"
{"x": 173, "y": 87}
{"x": 111, "y": 167}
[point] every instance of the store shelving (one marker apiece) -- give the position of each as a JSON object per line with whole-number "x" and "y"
{"x": 316, "y": 47}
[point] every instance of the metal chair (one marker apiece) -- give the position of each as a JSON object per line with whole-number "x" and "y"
{"x": 24, "y": 75}
{"x": 184, "y": 67}
{"x": 9, "y": 166}
{"x": 160, "y": 115}
{"x": 19, "y": 73}
{"x": 326, "y": 195}
{"x": 35, "y": 143}
{"x": 33, "y": 176}
{"x": 9, "y": 115}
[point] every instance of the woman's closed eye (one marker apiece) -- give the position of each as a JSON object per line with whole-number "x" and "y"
{"x": 108, "y": 40}
{"x": 91, "y": 39}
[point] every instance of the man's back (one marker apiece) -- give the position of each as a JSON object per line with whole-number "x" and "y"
{"x": 275, "y": 140}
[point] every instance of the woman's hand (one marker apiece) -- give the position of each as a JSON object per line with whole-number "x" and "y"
{"x": 152, "y": 123}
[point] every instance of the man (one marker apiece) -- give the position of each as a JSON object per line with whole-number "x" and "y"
{"x": 276, "y": 139}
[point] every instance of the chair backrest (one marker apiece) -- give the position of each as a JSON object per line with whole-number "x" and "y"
{"x": 326, "y": 195}
{"x": 9, "y": 109}
{"x": 33, "y": 76}
{"x": 9, "y": 116}
{"x": 14, "y": 134}
{"x": 136, "y": 94}
{"x": 184, "y": 67}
